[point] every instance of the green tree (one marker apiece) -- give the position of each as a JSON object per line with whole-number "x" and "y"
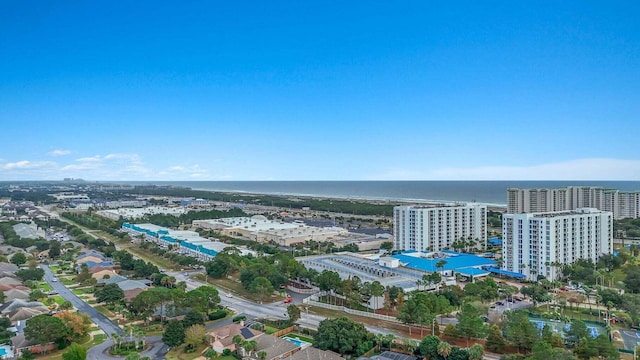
{"x": 66, "y": 305}
{"x": 84, "y": 274}
{"x": 44, "y": 329}
{"x": 585, "y": 349}
{"x": 30, "y": 274}
{"x": 495, "y": 341}
{"x": 261, "y": 286}
{"x": 294, "y": 313}
{"x": 470, "y": 324}
{"x": 203, "y": 298}
{"x": 537, "y": 293}
{"x": 577, "y": 331}
{"x": 19, "y": 259}
{"x": 174, "y": 334}
{"x": 193, "y": 317}
{"x": 429, "y": 347}
{"x": 36, "y": 295}
{"x": 54, "y": 249}
{"x": 476, "y": 352}
{"x": 194, "y": 335}
{"x": 75, "y": 352}
{"x": 343, "y": 336}
{"x": 521, "y": 332}
{"x": 110, "y": 294}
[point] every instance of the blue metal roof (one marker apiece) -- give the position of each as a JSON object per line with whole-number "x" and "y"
{"x": 455, "y": 262}
{"x": 473, "y": 272}
{"x": 506, "y": 273}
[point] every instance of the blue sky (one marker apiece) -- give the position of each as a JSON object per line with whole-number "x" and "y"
{"x": 243, "y": 90}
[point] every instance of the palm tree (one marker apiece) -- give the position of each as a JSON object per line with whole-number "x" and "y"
{"x": 444, "y": 349}
{"x": 262, "y": 355}
{"x": 116, "y": 339}
{"x": 237, "y": 341}
{"x": 250, "y": 346}
{"x": 440, "y": 264}
{"x": 476, "y": 352}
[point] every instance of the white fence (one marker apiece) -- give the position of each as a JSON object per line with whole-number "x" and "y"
{"x": 313, "y": 300}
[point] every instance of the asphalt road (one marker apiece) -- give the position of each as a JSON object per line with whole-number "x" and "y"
{"x": 104, "y": 323}
{"x": 156, "y": 350}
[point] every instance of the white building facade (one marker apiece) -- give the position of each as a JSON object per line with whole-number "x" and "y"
{"x": 622, "y": 204}
{"x": 539, "y": 243}
{"x": 423, "y": 228}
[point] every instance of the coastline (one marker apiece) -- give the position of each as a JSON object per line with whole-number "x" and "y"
{"x": 374, "y": 200}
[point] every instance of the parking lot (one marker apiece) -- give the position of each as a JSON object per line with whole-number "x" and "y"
{"x": 509, "y": 304}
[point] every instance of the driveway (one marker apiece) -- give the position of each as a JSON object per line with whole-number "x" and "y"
{"x": 104, "y": 323}
{"x": 157, "y": 350}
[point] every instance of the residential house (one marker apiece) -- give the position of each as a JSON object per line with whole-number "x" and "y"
{"x": 99, "y": 268}
{"x": 8, "y": 267}
{"x": 114, "y": 279}
{"x": 16, "y": 294}
{"x": 312, "y": 353}
{"x": 132, "y": 288}
{"x": 275, "y": 347}
{"x": 21, "y": 343}
{"x": 222, "y": 338}
{"x": 102, "y": 273}
{"x": 390, "y": 355}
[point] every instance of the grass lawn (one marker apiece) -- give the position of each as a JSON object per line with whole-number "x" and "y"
{"x": 236, "y": 289}
{"x": 300, "y": 337}
{"x": 67, "y": 281}
{"x": 146, "y": 255}
{"x": 98, "y": 339}
{"x": 270, "y": 329}
{"x": 54, "y": 268}
{"x": 78, "y": 291}
{"x": 177, "y": 354}
{"x": 58, "y": 299}
{"x": 104, "y": 311}
{"x": 45, "y": 287}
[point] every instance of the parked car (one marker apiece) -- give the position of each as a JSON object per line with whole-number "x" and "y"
{"x": 499, "y": 303}
{"x": 288, "y": 300}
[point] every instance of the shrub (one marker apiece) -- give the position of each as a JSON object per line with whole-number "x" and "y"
{"x": 219, "y": 315}
{"x": 239, "y": 318}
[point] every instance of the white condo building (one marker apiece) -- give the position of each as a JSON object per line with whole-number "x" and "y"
{"x": 424, "y": 228}
{"x": 622, "y": 204}
{"x": 536, "y": 243}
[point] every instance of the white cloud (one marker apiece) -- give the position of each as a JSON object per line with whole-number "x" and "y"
{"x": 59, "y": 152}
{"x": 578, "y": 169}
{"x": 26, "y": 164}
{"x": 93, "y": 159}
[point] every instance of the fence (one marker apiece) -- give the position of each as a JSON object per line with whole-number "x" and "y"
{"x": 283, "y": 332}
{"x": 309, "y": 301}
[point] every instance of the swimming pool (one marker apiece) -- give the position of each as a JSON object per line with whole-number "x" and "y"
{"x": 295, "y": 341}
{"x": 3, "y": 351}
{"x": 299, "y": 343}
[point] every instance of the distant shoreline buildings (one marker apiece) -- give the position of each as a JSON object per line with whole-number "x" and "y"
{"x": 623, "y": 204}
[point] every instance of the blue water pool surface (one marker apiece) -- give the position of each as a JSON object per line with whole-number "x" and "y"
{"x": 3, "y": 351}
{"x": 295, "y": 341}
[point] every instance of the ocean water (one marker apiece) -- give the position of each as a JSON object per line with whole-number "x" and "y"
{"x": 487, "y": 192}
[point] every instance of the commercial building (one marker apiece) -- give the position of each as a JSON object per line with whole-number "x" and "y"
{"x": 621, "y": 203}
{"x": 424, "y": 228}
{"x": 259, "y": 228}
{"x": 187, "y": 242}
{"x": 536, "y": 244}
